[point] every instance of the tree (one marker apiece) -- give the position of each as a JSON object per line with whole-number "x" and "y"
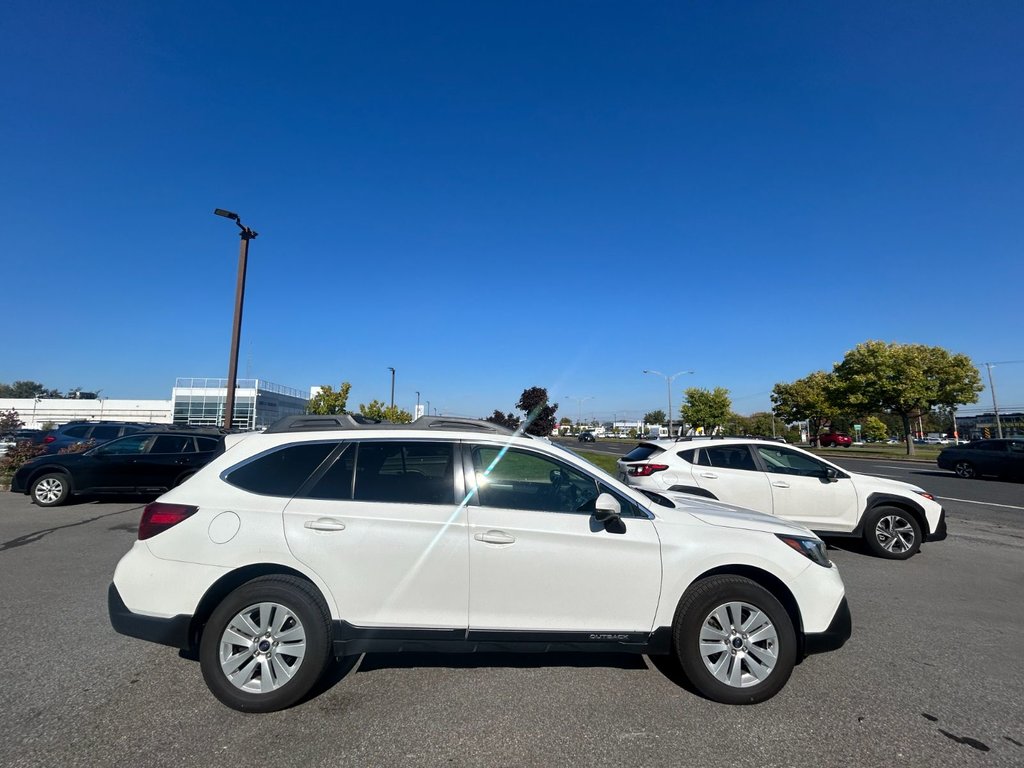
{"x": 905, "y": 379}
{"x": 10, "y": 421}
{"x": 328, "y": 402}
{"x": 540, "y": 416}
{"x": 375, "y": 409}
{"x": 873, "y": 428}
{"x": 704, "y": 409}
{"x": 655, "y": 417}
{"x": 808, "y": 399}
{"x": 27, "y": 389}
{"x": 509, "y": 420}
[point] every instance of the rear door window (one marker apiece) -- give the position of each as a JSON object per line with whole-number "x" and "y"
{"x": 406, "y": 472}
{"x": 172, "y": 444}
{"x": 728, "y": 457}
{"x": 104, "y": 433}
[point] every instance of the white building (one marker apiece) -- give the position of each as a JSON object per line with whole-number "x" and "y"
{"x": 59, "y": 411}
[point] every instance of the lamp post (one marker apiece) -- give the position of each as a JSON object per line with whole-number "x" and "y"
{"x": 579, "y": 402}
{"x": 992, "y": 387}
{"x": 417, "y": 404}
{"x": 392, "y": 387}
{"x": 668, "y": 384}
{"x": 246, "y": 235}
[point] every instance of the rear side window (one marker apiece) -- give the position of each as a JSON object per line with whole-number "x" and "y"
{"x": 405, "y": 472}
{"x": 643, "y": 452}
{"x": 282, "y": 471}
{"x": 688, "y": 456}
{"x": 105, "y": 433}
{"x": 728, "y": 457}
{"x": 76, "y": 431}
{"x": 172, "y": 444}
{"x": 207, "y": 444}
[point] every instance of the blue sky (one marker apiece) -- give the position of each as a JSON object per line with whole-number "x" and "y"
{"x": 495, "y": 196}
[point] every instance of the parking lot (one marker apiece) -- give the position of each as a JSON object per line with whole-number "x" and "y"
{"x": 931, "y": 676}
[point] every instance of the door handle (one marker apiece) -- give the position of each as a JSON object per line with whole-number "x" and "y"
{"x": 325, "y": 524}
{"x": 780, "y": 484}
{"x": 710, "y": 475}
{"x": 495, "y": 537}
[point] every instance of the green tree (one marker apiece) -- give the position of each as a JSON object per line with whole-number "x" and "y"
{"x": 655, "y": 417}
{"x": 705, "y": 409}
{"x": 907, "y": 380}
{"x": 808, "y": 399}
{"x": 509, "y": 420}
{"x": 26, "y": 389}
{"x": 540, "y": 415}
{"x": 873, "y": 428}
{"x": 375, "y": 409}
{"x": 329, "y": 401}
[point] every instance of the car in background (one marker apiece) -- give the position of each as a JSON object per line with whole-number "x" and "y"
{"x": 1002, "y": 457}
{"x": 325, "y": 537}
{"x": 834, "y": 439}
{"x": 10, "y": 439}
{"x": 140, "y": 463}
{"x": 94, "y": 432}
{"x": 892, "y": 517}
{"x": 586, "y": 437}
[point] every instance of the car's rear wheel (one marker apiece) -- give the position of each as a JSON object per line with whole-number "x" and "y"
{"x": 830, "y": 445}
{"x": 266, "y": 645}
{"x": 734, "y": 640}
{"x": 965, "y": 469}
{"x": 51, "y": 490}
{"x": 892, "y": 533}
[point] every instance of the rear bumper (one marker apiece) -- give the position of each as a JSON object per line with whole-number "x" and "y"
{"x": 837, "y": 633}
{"x": 940, "y": 529}
{"x": 173, "y": 631}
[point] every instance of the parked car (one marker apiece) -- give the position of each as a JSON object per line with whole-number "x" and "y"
{"x": 834, "y": 439}
{"x": 11, "y": 439}
{"x": 144, "y": 462}
{"x": 892, "y": 517}
{"x": 324, "y": 536}
{"x": 999, "y": 458}
{"x": 94, "y": 432}
{"x": 586, "y": 437}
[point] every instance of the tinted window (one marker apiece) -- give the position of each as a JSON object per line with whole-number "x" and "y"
{"x": 171, "y": 444}
{"x": 785, "y": 462}
{"x": 642, "y": 452}
{"x": 1016, "y": 446}
{"x": 991, "y": 445}
{"x": 126, "y": 446}
{"x": 404, "y": 472}
{"x": 521, "y": 480}
{"x": 207, "y": 444}
{"x": 76, "y": 431}
{"x": 336, "y": 482}
{"x": 728, "y": 457}
{"x": 280, "y": 472}
{"x": 104, "y": 433}
{"x": 690, "y": 455}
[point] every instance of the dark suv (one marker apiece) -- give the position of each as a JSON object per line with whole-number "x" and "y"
{"x": 143, "y": 462}
{"x": 95, "y": 432}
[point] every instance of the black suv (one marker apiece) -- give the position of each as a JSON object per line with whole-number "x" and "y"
{"x": 142, "y": 463}
{"x": 94, "y": 432}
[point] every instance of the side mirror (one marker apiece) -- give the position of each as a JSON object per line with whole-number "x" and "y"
{"x": 606, "y": 508}
{"x": 832, "y": 475}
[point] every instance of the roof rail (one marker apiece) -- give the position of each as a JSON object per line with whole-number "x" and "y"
{"x": 308, "y": 423}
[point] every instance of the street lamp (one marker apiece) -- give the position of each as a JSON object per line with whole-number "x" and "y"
{"x": 246, "y": 235}
{"x": 992, "y": 387}
{"x": 392, "y": 387}
{"x": 417, "y": 403}
{"x": 668, "y": 384}
{"x": 579, "y": 402}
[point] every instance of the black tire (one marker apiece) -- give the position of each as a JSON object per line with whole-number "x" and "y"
{"x": 50, "y": 490}
{"x": 697, "y": 614}
{"x": 830, "y": 445}
{"x": 307, "y": 615}
{"x": 965, "y": 469}
{"x": 892, "y": 533}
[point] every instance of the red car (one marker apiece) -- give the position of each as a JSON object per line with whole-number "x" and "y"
{"x": 833, "y": 439}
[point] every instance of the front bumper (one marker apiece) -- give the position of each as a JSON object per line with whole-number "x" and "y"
{"x": 837, "y": 633}
{"x": 940, "y": 529}
{"x": 173, "y": 631}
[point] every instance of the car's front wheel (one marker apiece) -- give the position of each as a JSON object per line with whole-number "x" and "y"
{"x": 892, "y": 533}
{"x": 266, "y": 645}
{"x": 51, "y": 490}
{"x": 965, "y": 469}
{"x": 734, "y": 640}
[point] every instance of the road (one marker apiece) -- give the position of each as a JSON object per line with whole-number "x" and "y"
{"x": 931, "y": 677}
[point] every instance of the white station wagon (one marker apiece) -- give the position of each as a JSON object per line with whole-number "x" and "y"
{"x": 326, "y": 536}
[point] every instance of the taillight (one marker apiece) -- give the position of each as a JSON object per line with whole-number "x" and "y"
{"x": 645, "y": 470}
{"x": 158, "y": 517}
{"x": 49, "y": 439}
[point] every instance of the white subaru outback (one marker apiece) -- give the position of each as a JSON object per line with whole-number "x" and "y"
{"x": 892, "y": 517}
{"x": 327, "y": 536}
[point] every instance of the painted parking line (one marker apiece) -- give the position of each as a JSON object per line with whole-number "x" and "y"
{"x": 983, "y": 503}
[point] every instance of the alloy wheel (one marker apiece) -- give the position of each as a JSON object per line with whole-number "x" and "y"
{"x": 48, "y": 490}
{"x": 739, "y": 644}
{"x": 262, "y": 647}
{"x": 894, "y": 533}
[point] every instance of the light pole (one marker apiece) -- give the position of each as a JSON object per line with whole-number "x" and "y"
{"x": 392, "y": 387}
{"x": 417, "y": 404}
{"x": 246, "y": 235}
{"x": 992, "y": 387}
{"x": 579, "y": 402}
{"x": 668, "y": 384}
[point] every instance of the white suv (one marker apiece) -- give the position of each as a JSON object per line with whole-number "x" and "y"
{"x": 892, "y": 517}
{"x": 328, "y": 536}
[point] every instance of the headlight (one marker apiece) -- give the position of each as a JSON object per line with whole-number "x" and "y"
{"x": 812, "y": 549}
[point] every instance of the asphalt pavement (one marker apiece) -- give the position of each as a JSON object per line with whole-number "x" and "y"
{"x": 931, "y": 677}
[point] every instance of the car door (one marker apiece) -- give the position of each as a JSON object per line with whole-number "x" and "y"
{"x": 165, "y": 460}
{"x": 114, "y": 466}
{"x": 382, "y": 526}
{"x": 730, "y": 473}
{"x": 803, "y": 491}
{"x": 538, "y": 559}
